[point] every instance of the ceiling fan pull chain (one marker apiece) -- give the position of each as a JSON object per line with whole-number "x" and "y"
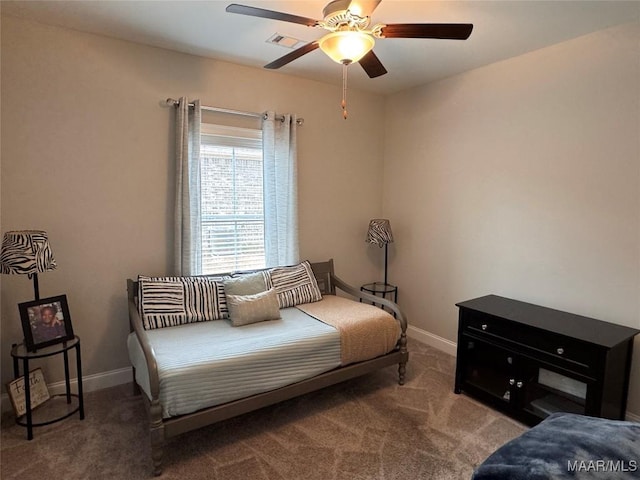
{"x": 344, "y": 90}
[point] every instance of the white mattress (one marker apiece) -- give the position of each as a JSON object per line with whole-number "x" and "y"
{"x": 209, "y": 363}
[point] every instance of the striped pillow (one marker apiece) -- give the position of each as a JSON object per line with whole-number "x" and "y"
{"x": 171, "y": 301}
{"x": 295, "y": 285}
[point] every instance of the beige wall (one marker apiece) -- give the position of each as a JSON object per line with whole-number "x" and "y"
{"x": 521, "y": 179}
{"x": 86, "y": 155}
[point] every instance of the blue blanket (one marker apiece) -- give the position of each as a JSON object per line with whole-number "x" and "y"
{"x": 568, "y": 446}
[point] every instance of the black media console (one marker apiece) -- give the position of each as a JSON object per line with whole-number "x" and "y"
{"x": 530, "y": 361}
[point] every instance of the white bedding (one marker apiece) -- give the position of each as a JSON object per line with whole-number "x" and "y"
{"x": 209, "y": 363}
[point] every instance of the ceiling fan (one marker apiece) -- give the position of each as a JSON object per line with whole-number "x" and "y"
{"x": 350, "y": 39}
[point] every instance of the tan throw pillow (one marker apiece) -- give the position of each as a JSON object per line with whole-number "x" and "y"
{"x": 246, "y": 309}
{"x": 245, "y": 284}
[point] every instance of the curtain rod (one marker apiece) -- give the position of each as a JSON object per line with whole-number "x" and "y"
{"x": 175, "y": 103}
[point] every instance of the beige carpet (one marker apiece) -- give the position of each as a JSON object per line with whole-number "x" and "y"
{"x": 367, "y": 428}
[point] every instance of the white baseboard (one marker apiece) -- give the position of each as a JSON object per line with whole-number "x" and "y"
{"x": 90, "y": 383}
{"x": 432, "y": 340}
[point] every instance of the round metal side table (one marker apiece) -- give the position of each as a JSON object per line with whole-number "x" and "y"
{"x": 381, "y": 289}
{"x": 20, "y": 354}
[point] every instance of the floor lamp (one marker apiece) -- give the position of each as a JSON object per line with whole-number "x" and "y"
{"x": 380, "y": 234}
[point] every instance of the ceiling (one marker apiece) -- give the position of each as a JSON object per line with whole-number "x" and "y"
{"x": 502, "y": 29}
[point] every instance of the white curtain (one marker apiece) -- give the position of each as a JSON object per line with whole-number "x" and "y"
{"x": 280, "y": 189}
{"x": 188, "y": 248}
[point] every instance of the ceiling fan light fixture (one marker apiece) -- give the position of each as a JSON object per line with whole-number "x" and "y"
{"x": 350, "y": 39}
{"x": 346, "y": 46}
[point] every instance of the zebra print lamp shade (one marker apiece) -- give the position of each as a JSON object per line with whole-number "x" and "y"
{"x": 380, "y": 232}
{"x": 26, "y": 252}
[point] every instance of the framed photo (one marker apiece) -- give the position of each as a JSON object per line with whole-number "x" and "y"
{"x": 45, "y": 322}
{"x": 38, "y": 392}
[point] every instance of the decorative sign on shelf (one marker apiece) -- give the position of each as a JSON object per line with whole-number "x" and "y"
{"x": 39, "y": 393}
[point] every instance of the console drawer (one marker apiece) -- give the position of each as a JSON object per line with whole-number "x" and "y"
{"x": 533, "y": 341}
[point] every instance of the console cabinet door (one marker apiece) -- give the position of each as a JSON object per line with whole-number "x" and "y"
{"x": 524, "y": 387}
{"x": 487, "y": 371}
{"x": 543, "y": 389}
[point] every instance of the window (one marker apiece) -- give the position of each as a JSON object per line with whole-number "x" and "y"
{"x": 232, "y": 200}
{"x": 236, "y": 194}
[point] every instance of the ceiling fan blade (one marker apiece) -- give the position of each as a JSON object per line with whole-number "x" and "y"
{"x": 363, "y": 8}
{"x": 449, "y": 31}
{"x": 372, "y": 65}
{"x": 261, "y": 12}
{"x": 290, "y": 57}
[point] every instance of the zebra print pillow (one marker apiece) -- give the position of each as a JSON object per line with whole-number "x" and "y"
{"x": 171, "y": 301}
{"x": 294, "y": 285}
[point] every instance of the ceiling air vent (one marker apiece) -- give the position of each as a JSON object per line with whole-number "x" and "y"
{"x": 284, "y": 41}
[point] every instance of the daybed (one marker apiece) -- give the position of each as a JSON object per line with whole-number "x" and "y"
{"x": 200, "y": 355}
{"x": 568, "y": 446}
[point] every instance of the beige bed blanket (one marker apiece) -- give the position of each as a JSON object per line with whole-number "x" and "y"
{"x": 366, "y": 331}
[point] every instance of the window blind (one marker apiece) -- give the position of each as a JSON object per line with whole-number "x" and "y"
{"x": 232, "y": 206}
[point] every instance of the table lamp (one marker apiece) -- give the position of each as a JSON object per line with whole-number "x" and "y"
{"x": 26, "y": 252}
{"x": 380, "y": 234}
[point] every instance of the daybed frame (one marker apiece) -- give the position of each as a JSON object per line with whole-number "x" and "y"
{"x": 162, "y": 429}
